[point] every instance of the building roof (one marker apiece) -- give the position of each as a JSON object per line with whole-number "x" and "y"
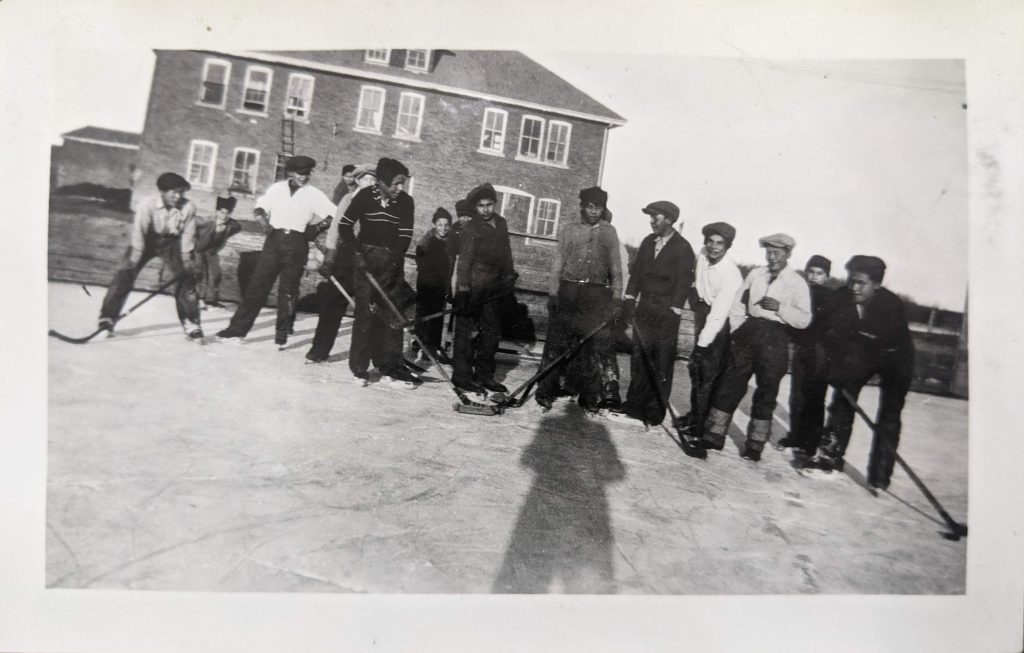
{"x": 504, "y": 76}
{"x": 104, "y": 136}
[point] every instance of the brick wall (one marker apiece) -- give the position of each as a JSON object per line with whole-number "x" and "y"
{"x": 444, "y": 161}
{"x": 76, "y": 162}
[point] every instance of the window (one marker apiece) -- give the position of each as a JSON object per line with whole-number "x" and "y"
{"x": 378, "y": 56}
{"x": 371, "y": 109}
{"x": 558, "y": 142}
{"x": 202, "y": 158}
{"x": 243, "y": 172}
{"x": 515, "y": 206}
{"x": 546, "y": 221}
{"x": 300, "y": 96}
{"x": 417, "y": 60}
{"x": 279, "y": 172}
{"x": 257, "y": 89}
{"x": 530, "y": 137}
{"x": 410, "y": 116}
{"x": 492, "y": 136}
{"x": 215, "y": 82}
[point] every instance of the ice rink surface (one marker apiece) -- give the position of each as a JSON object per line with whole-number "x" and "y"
{"x": 218, "y": 467}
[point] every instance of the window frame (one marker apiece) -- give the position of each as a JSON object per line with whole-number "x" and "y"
{"x": 547, "y": 142}
{"x": 380, "y": 113}
{"x": 426, "y": 62}
{"x": 385, "y": 62}
{"x": 245, "y": 88}
{"x": 483, "y": 132}
{"x": 535, "y": 218}
{"x": 419, "y": 118}
{"x": 255, "y": 175}
{"x": 202, "y": 84}
{"x": 288, "y": 95}
{"x": 503, "y": 207}
{"x": 212, "y": 163}
{"x": 540, "y": 141}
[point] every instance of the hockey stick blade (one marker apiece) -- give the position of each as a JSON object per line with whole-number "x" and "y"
{"x": 75, "y": 341}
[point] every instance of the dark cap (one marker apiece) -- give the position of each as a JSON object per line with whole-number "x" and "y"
{"x": 819, "y": 261}
{"x": 723, "y": 229}
{"x": 481, "y": 192}
{"x": 594, "y": 195}
{"x": 665, "y": 208}
{"x": 440, "y": 213}
{"x": 462, "y": 208}
{"x": 228, "y": 203}
{"x": 872, "y": 266}
{"x": 347, "y": 168}
{"x": 300, "y": 164}
{"x": 785, "y": 241}
{"x": 171, "y": 181}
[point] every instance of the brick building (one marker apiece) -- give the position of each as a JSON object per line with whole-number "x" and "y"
{"x": 95, "y": 155}
{"x": 227, "y": 120}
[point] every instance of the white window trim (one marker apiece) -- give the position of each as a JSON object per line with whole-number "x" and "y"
{"x": 359, "y": 109}
{"x": 413, "y": 68}
{"x": 213, "y": 163}
{"x": 387, "y": 57}
{"x": 532, "y": 227}
{"x": 568, "y": 140}
{"x": 419, "y": 118}
{"x": 408, "y": 186}
{"x": 508, "y": 190}
{"x": 483, "y": 132}
{"x": 287, "y": 90}
{"x": 245, "y": 87}
{"x": 202, "y": 82}
{"x": 519, "y": 142}
{"x": 256, "y": 174}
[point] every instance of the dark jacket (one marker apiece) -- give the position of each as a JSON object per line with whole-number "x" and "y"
{"x": 485, "y": 253}
{"x": 432, "y": 268}
{"x": 822, "y": 303}
{"x": 207, "y": 238}
{"x": 880, "y": 339}
{"x": 665, "y": 280}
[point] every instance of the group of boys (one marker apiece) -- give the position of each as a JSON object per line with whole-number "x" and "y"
{"x": 744, "y": 326}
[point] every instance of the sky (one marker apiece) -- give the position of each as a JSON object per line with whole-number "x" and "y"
{"x": 848, "y": 157}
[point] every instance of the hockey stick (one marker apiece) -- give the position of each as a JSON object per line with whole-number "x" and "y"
{"x": 467, "y": 405}
{"x": 957, "y": 530}
{"x": 85, "y": 339}
{"x": 341, "y": 289}
{"x": 690, "y": 447}
{"x": 448, "y": 311}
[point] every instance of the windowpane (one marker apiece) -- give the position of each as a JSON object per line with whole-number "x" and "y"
{"x": 371, "y": 107}
{"x": 558, "y": 141}
{"x": 257, "y": 88}
{"x": 279, "y": 166}
{"x": 529, "y": 141}
{"x": 547, "y": 218}
{"x": 378, "y": 56}
{"x": 215, "y": 83}
{"x": 410, "y": 109}
{"x": 417, "y": 59}
{"x": 494, "y": 130}
{"x": 200, "y": 163}
{"x": 300, "y": 96}
{"x": 243, "y": 173}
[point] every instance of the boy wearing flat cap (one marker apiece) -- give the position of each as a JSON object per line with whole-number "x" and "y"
{"x": 292, "y": 213}
{"x": 586, "y": 282}
{"x": 718, "y": 280}
{"x": 772, "y": 300}
{"x": 867, "y": 334}
{"x": 659, "y": 284}
{"x": 164, "y": 226}
{"x": 808, "y": 373}
{"x": 384, "y": 213}
{"x": 484, "y": 270}
{"x": 211, "y": 236}
{"x": 337, "y": 263}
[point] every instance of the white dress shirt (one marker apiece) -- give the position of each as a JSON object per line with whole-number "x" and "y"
{"x": 295, "y": 212}
{"x": 789, "y": 288}
{"x": 717, "y": 285}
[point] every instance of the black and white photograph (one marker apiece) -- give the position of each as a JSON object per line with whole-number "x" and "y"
{"x": 527, "y": 326}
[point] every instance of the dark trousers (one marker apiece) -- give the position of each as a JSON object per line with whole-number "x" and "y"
{"x": 706, "y": 367}
{"x": 895, "y": 384}
{"x": 659, "y": 327}
{"x": 332, "y": 306}
{"x": 581, "y": 309}
{"x": 211, "y": 275}
{"x": 758, "y": 348}
{"x": 809, "y": 385}
{"x": 478, "y": 334}
{"x": 374, "y": 339}
{"x": 186, "y": 299}
{"x": 283, "y": 255}
{"x": 430, "y": 300}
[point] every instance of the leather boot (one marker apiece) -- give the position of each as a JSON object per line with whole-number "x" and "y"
{"x": 759, "y": 431}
